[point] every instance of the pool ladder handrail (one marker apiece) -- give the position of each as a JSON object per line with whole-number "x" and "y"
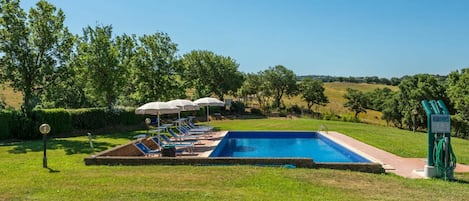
{"x": 323, "y": 128}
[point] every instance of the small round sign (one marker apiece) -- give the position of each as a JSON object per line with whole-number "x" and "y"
{"x": 44, "y": 129}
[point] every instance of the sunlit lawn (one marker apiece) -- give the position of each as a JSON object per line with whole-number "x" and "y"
{"x": 23, "y": 178}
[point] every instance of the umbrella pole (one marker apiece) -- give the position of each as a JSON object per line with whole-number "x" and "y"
{"x": 158, "y": 129}
{"x": 179, "y": 118}
{"x": 208, "y": 118}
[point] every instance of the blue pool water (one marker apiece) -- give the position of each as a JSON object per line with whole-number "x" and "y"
{"x": 272, "y": 144}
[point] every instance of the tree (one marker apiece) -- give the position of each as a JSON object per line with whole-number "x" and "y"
{"x": 155, "y": 69}
{"x": 378, "y": 97}
{"x": 356, "y": 101}
{"x": 458, "y": 91}
{"x": 414, "y": 89}
{"x": 255, "y": 84}
{"x": 210, "y": 73}
{"x": 32, "y": 46}
{"x": 99, "y": 63}
{"x": 392, "y": 112}
{"x": 312, "y": 91}
{"x": 281, "y": 81}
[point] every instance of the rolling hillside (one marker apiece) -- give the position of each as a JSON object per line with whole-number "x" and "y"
{"x": 10, "y": 97}
{"x": 334, "y": 91}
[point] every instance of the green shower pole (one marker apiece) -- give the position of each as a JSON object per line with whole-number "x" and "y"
{"x": 431, "y": 139}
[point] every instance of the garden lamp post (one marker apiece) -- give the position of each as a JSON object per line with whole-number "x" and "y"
{"x": 148, "y": 122}
{"x": 44, "y": 129}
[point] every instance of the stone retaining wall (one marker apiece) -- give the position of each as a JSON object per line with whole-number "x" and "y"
{"x": 298, "y": 162}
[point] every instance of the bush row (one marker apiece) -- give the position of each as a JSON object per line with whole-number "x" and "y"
{"x": 13, "y": 124}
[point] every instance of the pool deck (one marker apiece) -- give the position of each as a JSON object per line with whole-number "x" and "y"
{"x": 405, "y": 167}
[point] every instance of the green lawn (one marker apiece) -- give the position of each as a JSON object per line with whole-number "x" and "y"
{"x": 23, "y": 177}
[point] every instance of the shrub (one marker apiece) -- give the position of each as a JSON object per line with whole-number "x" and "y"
{"x": 89, "y": 118}
{"x": 238, "y": 107}
{"x": 330, "y": 116}
{"x": 256, "y": 111}
{"x": 8, "y": 119}
{"x": 58, "y": 119}
{"x": 282, "y": 113}
{"x": 295, "y": 109}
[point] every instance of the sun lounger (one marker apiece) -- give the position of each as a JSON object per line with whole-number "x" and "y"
{"x": 182, "y": 137}
{"x": 188, "y": 132}
{"x": 192, "y": 125}
{"x": 145, "y": 150}
{"x": 167, "y": 140}
{"x": 188, "y": 146}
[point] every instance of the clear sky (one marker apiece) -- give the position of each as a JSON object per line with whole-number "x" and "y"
{"x": 385, "y": 38}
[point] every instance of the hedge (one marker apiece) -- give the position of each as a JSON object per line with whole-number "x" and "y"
{"x": 13, "y": 124}
{"x": 7, "y": 121}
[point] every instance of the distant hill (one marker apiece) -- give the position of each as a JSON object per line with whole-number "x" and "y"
{"x": 369, "y": 80}
{"x": 335, "y": 92}
{"x": 10, "y": 97}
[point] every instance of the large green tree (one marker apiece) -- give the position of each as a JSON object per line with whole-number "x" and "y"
{"x": 458, "y": 92}
{"x": 211, "y": 73}
{"x": 256, "y": 85}
{"x": 32, "y": 46}
{"x": 356, "y": 101}
{"x": 414, "y": 89}
{"x": 312, "y": 91}
{"x": 155, "y": 70}
{"x": 99, "y": 65}
{"x": 281, "y": 81}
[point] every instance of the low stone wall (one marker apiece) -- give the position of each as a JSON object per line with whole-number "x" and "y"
{"x": 128, "y": 149}
{"x": 298, "y": 162}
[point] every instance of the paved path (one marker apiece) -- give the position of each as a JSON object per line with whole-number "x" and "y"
{"x": 406, "y": 167}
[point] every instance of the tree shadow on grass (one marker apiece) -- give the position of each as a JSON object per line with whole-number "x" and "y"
{"x": 69, "y": 146}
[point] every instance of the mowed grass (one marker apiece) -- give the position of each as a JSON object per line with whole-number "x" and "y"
{"x": 23, "y": 177}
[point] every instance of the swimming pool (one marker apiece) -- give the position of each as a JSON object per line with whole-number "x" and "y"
{"x": 284, "y": 144}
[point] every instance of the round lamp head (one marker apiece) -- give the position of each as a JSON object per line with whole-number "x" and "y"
{"x": 44, "y": 129}
{"x": 148, "y": 121}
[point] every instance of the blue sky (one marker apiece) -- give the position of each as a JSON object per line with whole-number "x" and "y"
{"x": 385, "y": 38}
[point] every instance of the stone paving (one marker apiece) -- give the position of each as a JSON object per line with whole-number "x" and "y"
{"x": 405, "y": 167}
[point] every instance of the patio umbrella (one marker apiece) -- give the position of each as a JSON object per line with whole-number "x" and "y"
{"x": 157, "y": 108}
{"x": 183, "y": 105}
{"x": 209, "y": 101}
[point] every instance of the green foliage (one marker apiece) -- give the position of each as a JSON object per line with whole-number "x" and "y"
{"x": 256, "y": 85}
{"x": 256, "y": 111}
{"x": 58, "y": 119}
{"x": 356, "y": 101}
{"x": 8, "y": 118}
{"x": 378, "y": 97}
{"x": 458, "y": 91}
{"x": 98, "y": 61}
{"x": 391, "y": 111}
{"x": 312, "y": 91}
{"x": 210, "y": 73}
{"x": 281, "y": 81}
{"x": 32, "y": 45}
{"x": 413, "y": 90}
{"x": 238, "y": 107}
{"x": 155, "y": 72}
{"x": 295, "y": 109}
{"x": 90, "y": 118}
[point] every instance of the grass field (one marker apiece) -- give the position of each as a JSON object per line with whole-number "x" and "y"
{"x": 23, "y": 177}
{"x": 10, "y": 97}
